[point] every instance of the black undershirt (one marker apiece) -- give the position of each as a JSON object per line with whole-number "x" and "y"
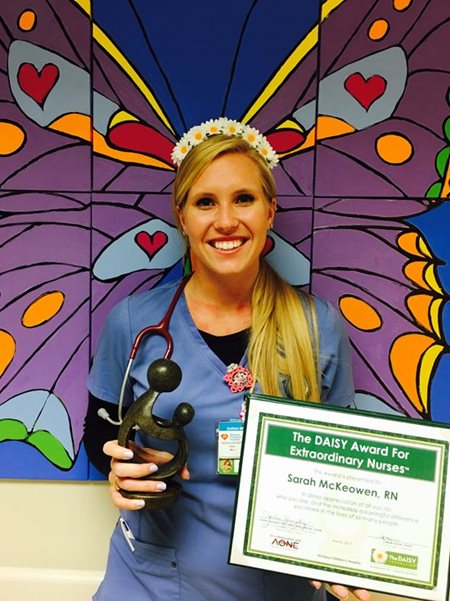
{"x": 97, "y": 431}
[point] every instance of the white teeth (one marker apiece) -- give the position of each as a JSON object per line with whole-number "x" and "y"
{"x": 227, "y": 245}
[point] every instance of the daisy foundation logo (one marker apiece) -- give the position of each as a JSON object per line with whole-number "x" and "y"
{"x": 394, "y": 559}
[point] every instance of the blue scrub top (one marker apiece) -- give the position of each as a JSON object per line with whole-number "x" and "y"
{"x": 181, "y": 552}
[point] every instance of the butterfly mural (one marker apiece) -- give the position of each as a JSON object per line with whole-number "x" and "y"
{"x": 92, "y": 105}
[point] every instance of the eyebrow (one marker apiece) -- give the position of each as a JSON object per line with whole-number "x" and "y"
{"x": 235, "y": 192}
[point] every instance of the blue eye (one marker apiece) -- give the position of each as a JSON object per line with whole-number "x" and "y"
{"x": 204, "y": 202}
{"x": 245, "y": 198}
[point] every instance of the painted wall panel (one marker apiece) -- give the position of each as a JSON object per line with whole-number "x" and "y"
{"x": 356, "y": 104}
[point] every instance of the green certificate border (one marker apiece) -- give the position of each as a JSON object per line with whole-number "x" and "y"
{"x": 321, "y": 425}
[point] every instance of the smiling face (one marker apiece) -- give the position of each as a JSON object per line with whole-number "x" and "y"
{"x": 226, "y": 217}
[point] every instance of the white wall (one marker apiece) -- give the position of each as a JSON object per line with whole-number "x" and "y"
{"x": 54, "y": 540}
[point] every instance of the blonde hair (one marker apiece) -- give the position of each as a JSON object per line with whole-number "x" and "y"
{"x": 202, "y": 155}
{"x": 283, "y": 341}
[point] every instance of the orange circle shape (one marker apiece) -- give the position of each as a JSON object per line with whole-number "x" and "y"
{"x": 378, "y": 29}
{"x": 359, "y": 313}
{"x": 7, "y": 350}
{"x": 12, "y": 138}
{"x": 394, "y": 149}
{"x": 27, "y": 20}
{"x": 43, "y": 309}
{"x": 401, "y": 4}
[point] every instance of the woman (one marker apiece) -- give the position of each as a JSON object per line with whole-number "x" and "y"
{"x": 234, "y": 310}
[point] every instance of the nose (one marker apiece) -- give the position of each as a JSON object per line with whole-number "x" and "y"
{"x": 226, "y": 219}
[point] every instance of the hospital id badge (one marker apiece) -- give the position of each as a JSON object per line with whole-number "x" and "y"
{"x": 229, "y": 443}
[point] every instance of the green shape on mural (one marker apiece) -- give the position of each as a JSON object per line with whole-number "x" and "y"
{"x": 12, "y": 429}
{"x": 51, "y": 448}
{"x": 434, "y": 191}
{"x": 447, "y": 129}
{"x": 442, "y": 160}
{"x": 43, "y": 441}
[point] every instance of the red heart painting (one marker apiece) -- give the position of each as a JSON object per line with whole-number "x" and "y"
{"x": 37, "y": 84}
{"x": 365, "y": 91}
{"x": 149, "y": 243}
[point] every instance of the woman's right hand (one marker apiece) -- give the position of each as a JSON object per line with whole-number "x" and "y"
{"x": 127, "y": 475}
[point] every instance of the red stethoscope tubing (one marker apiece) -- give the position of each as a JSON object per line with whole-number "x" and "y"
{"x": 162, "y": 328}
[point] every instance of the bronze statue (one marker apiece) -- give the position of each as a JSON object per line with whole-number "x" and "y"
{"x": 164, "y": 375}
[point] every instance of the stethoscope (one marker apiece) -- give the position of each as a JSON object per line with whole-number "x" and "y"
{"x": 160, "y": 329}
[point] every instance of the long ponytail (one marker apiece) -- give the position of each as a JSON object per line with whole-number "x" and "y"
{"x": 284, "y": 338}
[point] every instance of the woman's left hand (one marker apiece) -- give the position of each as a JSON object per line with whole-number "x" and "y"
{"x": 342, "y": 592}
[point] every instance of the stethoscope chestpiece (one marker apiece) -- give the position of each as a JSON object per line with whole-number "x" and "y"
{"x": 164, "y": 375}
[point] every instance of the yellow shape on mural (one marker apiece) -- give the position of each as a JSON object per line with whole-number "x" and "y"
{"x": 109, "y": 46}
{"x": 7, "y": 350}
{"x": 378, "y": 29}
{"x": 12, "y": 138}
{"x": 414, "y": 244}
{"x": 43, "y": 309}
{"x": 425, "y": 309}
{"x": 100, "y": 146}
{"x": 360, "y": 314}
{"x": 445, "y": 192}
{"x": 27, "y": 20}
{"x": 73, "y": 124}
{"x": 330, "y": 127}
{"x": 293, "y": 60}
{"x": 423, "y": 274}
{"x": 412, "y": 358}
{"x": 394, "y": 149}
{"x": 402, "y": 4}
{"x": 325, "y": 127}
{"x": 122, "y": 117}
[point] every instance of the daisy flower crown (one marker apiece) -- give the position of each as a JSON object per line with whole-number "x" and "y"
{"x": 229, "y": 127}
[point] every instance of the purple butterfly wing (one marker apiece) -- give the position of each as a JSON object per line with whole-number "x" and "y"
{"x": 365, "y": 135}
{"x": 44, "y": 317}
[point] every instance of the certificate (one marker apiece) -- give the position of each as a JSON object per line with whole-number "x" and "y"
{"x": 344, "y": 497}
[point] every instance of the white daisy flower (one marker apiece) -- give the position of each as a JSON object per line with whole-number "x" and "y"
{"x": 196, "y": 134}
{"x": 252, "y": 136}
{"x": 181, "y": 149}
{"x": 230, "y": 127}
{"x": 266, "y": 151}
{"x": 212, "y": 127}
{"x": 379, "y": 556}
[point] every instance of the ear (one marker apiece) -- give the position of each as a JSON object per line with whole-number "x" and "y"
{"x": 180, "y": 216}
{"x": 272, "y": 210}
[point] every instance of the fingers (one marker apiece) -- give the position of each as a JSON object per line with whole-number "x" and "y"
{"x": 113, "y": 449}
{"x": 118, "y": 499}
{"x": 126, "y": 469}
{"x": 151, "y": 455}
{"x": 340, "y": 591}
{"x": 343, "y": 592}
{"x": 185, "y": 474}
{"x": 118, "y": 485}
{"x": 361, "y": 594}
{"x": 126, "y": 475}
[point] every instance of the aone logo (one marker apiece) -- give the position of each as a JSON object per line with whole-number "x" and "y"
{"x": 284, "y": 542}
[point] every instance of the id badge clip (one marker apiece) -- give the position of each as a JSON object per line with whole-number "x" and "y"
{"x": 229, "y": 443}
